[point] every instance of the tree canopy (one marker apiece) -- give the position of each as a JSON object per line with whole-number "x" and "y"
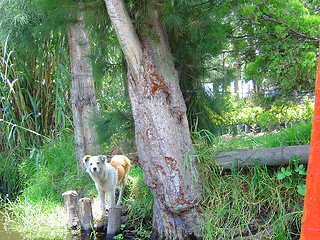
{"x": 276, "y": 41}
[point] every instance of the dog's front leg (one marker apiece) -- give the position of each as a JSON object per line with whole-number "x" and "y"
{"x": 102, "y": 197}
{"x": 111, "y": 198}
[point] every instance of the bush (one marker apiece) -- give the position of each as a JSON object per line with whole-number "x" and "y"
{"x": 242, "y": 112}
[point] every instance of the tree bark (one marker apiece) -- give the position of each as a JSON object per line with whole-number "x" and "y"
{"x": 267, "y": 156}
{"x": 161, "y": 127}
{"x": 83, "y": 99}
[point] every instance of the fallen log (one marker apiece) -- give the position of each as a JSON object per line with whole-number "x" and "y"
{"x": 277, "y": 156}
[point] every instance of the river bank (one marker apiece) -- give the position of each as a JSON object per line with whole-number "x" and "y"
{"x": 6, "y": 233}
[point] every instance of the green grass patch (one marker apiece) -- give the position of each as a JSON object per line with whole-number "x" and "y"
{"x": 49, "y": 171}
{"x": 298, "y": 134}
{"x": 236, "y": 203}
{"x": 139, "y": 201}
{"x": 248, "y": 201}
{"x": 45, "y": 173}
{"x": 42, "y": 219}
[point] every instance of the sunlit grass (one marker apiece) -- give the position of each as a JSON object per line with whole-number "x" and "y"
{"x": 36, "y": 220}
{"x": 298, "y": 134}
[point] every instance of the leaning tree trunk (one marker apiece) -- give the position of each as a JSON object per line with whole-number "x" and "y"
{"x": 161, "y": 127}
{"x": 83, "y": 99}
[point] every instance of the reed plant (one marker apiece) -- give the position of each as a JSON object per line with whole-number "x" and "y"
{"x": 34, "y": 103}
{"x": 35, "y": 94}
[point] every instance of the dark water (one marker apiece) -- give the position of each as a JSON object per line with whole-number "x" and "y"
{"x": 12, "y": 235}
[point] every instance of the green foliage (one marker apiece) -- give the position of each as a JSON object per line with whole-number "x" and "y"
{"x": 298, "y": 134}
{"x": 35, "y": 95}
{"x": 50, "y": 171}
{"x": 278, "y": 41}
{"x": 140, "y": 203}
{"x": 243, "y": 112}
{"x": 115, "y": 127}
{"x": 43, "y": 176}
{"x": 293, "y": 176}
{"x": 245, "y": 202}
{"x": 113, "y": 124}
{"x": 196, "y": 34}
{"x": 10, "y": 181}
{"x": 17, "y": 20}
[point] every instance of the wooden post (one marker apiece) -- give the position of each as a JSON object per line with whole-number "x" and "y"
{"x": 71, "y": 206}
{"x": 113, "y": 221}
{"x": 85, "y": 215}
{"x": 310, "y": 228}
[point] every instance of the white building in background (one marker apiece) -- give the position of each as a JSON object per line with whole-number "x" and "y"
{"x": 245, "y": 88}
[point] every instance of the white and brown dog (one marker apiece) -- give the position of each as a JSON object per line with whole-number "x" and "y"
{"x": 107, "y": 176}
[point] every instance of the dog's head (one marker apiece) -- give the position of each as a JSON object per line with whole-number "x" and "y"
{"x": 94, "y": 163}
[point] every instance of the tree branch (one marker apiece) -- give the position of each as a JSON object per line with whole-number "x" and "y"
{"x": 267, "y": 18}
{"x": 127, "y": 36}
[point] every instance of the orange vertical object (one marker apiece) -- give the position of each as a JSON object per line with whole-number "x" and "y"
{"x": 310, "y": 229}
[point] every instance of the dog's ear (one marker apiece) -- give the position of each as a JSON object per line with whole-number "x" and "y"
{"x": 86, "y": 158}
{"x": 103, "y": 158}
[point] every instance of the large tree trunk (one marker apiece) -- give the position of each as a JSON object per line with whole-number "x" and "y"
{"x": 161, "y": 127}
{"x": 83, "y": 99}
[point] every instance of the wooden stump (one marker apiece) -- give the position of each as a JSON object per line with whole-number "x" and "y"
{"x": 85, "y": 215}
{"x": 113, "y": 221}
{"x": 71, "y": 206}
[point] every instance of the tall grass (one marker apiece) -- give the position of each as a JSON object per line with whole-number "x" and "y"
{"x": 34, "y": 103}
{"x": 240, "y": 204}
{"x": 140, "y": 203}
{"x": 50, "y": 170}
{"x": 45, "y": 174}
